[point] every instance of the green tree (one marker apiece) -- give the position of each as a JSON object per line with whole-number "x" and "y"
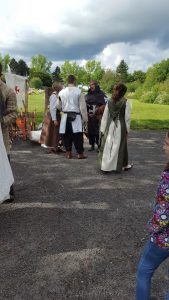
{"x": 122, "y": 71}
{"x": 130, "y": 77}
{"x": 14, "y": 66}
{"x": 40, "y": 63}
{"x": 157, "y": 73}
{"x": 93, "y": 70}
{"x": 56, "y": 74}
{"x": 73, "y": 68}
{"x": 23, "y": 69}
{"x": 46, "y": 78}
{"x": 108, "y": 80}
{"x": 5, "y": 62}
{"x": 139, "y": 76}
{"x": 36, "y": 83}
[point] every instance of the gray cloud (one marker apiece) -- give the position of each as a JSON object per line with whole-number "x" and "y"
{"x": 87, "y": 33}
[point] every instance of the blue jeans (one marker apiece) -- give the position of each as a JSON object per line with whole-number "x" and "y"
{"x": 152, "y": 257}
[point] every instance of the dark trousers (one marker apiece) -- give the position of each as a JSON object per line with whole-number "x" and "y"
{"x": 73, "y": 138}
{"x": 93, "y": 139}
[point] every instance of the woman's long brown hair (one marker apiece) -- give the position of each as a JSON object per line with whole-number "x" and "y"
{"x": 119, "y": 91}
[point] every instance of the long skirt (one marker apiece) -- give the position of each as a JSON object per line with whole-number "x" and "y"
{"x": 113, "y": 155}
{"x": 6, "y": 176}
{"x": 50, "y": 133}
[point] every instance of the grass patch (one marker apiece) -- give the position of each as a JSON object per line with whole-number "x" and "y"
{"x": 143, "y": 115}
{"x": 149, "y": 116}
{"x": 37, "y": 103}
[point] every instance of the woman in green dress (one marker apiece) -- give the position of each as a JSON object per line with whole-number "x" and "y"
{"x": 115, "y": 126}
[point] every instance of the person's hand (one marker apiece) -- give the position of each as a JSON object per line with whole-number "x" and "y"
{"x": 56, "y": 123}
{"x": 85, "y": 124}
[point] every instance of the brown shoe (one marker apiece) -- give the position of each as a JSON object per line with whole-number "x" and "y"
{"x": 69, "y": 155}
{"x": 81, "y": 156}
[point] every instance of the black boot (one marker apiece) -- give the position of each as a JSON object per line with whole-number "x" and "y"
{"x": 92, "y": 148}
{"x": 11, "y": 194}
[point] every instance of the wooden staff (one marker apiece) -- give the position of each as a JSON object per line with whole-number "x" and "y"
{"x": 46, "y": 98}
{"x": 26, "y": 96}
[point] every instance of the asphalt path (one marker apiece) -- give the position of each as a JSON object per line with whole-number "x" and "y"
{"x": 75, "y": 233}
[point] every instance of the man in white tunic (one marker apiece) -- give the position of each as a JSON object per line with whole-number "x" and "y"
{"x": 74, "y": 113}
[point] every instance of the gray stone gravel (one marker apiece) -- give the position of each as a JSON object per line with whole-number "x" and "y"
{"x": 75, "y": 233}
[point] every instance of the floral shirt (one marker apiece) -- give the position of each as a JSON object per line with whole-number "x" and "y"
{"x": 159, "y": 224}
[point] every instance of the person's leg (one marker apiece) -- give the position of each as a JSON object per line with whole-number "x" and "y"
{"x": 91, "y": 141}
{"x": 68, "y": 139}
{"x": 97, "y": 139}
{"x": 152, "y": 257}
{"x": 78, "y": 142}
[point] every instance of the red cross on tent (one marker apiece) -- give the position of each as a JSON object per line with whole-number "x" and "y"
{"x": 17, "y": 89}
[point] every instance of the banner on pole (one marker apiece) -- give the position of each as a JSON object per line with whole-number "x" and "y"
{"x": 18, "y": 84}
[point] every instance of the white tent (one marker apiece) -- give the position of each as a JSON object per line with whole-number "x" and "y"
{"x": 19, "y": 85}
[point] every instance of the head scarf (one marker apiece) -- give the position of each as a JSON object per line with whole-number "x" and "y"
{"x": 115, "y": 108}
{"x": 96, "y": 97}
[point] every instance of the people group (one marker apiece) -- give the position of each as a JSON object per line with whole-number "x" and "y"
{"x": 69, "y": 112}
{"x": 107, "y": 121}
{"x": 108, "y": 126}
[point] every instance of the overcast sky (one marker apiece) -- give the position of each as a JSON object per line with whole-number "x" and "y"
{"x": 79, "y": 30}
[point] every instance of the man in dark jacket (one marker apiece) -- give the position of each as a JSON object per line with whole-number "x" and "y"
{"x": 95, "y": 100}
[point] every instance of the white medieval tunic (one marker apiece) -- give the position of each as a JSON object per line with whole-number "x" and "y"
{"x": 72, "y": 100}
{"x": 6, "y": 176}
{"x": 115, "y": 125}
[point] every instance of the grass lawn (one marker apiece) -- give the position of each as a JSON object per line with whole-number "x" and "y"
{"x": 143, "y": 116}
{"x": 37, "y": 103}
{"x": 149, "y": 116}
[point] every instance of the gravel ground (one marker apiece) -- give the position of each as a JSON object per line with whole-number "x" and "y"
{"x": 75, "y": 233}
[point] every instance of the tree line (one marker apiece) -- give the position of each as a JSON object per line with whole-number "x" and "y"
{"x": 151, "y": 86}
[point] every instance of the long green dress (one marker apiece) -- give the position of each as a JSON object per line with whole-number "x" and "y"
{"x": 115, "y": 125}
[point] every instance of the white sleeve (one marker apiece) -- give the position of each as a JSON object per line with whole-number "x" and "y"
{"x": 52, "y": 106}
{"x": 128, "y": 115}
{"x": 59, "y": 102}
{"x": 83, "y": 107}
{"x": 104, "y": 119}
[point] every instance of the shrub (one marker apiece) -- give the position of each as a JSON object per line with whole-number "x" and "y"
{"x": 162, "y": 98}
{"x": 164, "y": 86}
{"x": 35, "y": 82}
{"x": 132, "y": 86}
{"x": 139, "y": 92}
{"x": 45, "y": 77}
{"x": 148, "y": 97}
{"x": 131, "y": 95}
